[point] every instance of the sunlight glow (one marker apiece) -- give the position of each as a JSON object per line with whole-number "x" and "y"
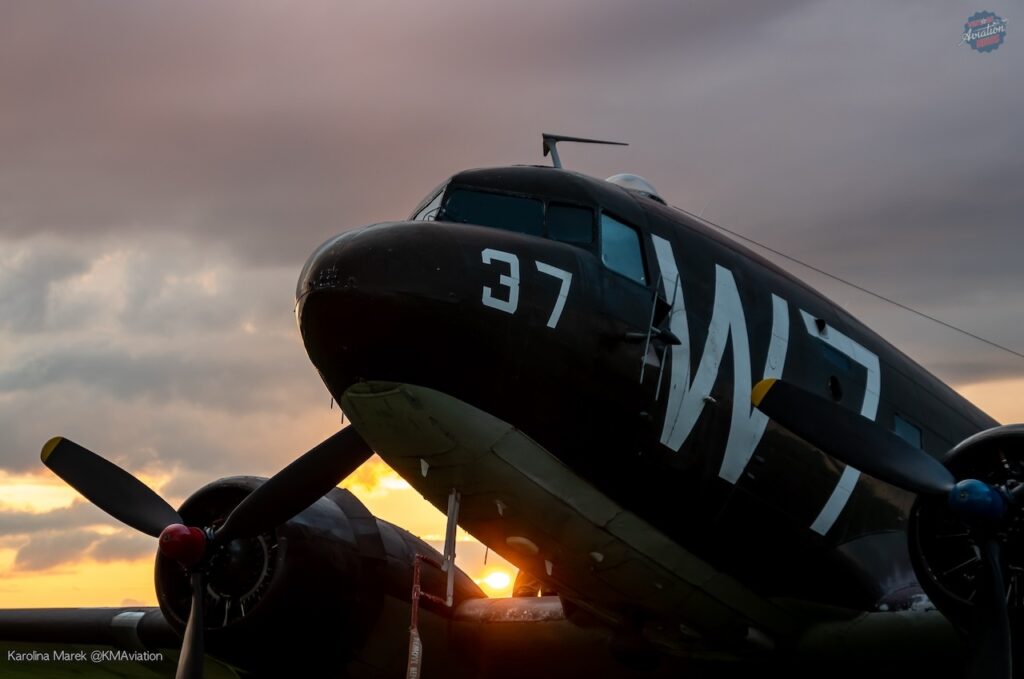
{"x": 39, "y": 492}
{"x": 496, "y": 583}
{"x": 375, "y": 479}
{"x": 83, "y": 582}
{"x": 998, "y": 398}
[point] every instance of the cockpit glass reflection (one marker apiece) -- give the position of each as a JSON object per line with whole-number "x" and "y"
{"x": 573, "y": 224}
{"x": 620, "y": 249}
{"x": 509, "y": 213}
{"x": 570, "y": 224}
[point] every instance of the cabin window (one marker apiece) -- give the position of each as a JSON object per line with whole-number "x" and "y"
{"x": 620, "y": 249}
{"x": 906, "y": 431}
{"x": 570, "y": 224}
{"x": 509, "y": 213}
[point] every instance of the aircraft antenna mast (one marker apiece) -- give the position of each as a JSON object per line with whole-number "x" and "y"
{"x": 550, "y": 141}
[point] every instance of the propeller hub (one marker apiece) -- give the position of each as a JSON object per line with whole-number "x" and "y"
{"x": 977, "y": 502}
{"x": 184, "y": 544}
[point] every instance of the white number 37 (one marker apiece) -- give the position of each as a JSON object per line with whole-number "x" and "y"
{"x": 511, "y": 282}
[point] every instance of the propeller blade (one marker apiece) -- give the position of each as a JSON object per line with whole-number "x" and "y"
{"x": 190, "y": 662}
{"x": 990, "y": 645}
{"x": 297, "y": 486}
{"x": 851, "y": 438}
{"x": 109, "y": 487}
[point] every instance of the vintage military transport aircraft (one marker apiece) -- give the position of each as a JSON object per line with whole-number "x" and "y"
{"x": 716, "y": 469}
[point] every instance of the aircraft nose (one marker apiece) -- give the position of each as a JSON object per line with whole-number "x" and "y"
{"x": 320, "y": 269}
{"x": 390, "y": 258}
{"x": 376, "y": 290}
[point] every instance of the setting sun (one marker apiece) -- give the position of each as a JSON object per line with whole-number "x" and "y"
{"x": 496, "y": 583}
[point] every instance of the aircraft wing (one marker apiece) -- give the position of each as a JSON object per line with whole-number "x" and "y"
{"x": 128, "y": 628}
{"x": 92, "y": 642}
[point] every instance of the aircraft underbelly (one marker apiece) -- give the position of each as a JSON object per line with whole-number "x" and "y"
{"x": 533, "y": 510}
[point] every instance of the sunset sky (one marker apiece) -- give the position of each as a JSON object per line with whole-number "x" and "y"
{"x": 166, "y": 167}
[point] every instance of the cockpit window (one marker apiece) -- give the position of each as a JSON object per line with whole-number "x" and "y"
{"x": 573, "y": 224}
{"x": 570, "y": 224}
{"x": 620, "y": 249}
{"x": 428, "y": 208}
{"x": 509, "y": 213}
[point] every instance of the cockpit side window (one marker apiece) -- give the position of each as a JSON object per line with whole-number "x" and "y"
{"x": 500, "y": 211}
{"x": 620, "y": 249}
{"x": 427, "y": 210}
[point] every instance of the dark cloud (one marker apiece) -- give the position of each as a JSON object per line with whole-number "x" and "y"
{"x": 27, "y": 279}
{"x": 122, "y": 546}
{"x": 221, "y": 382}
{"x": 46, "y": 550}
{"x": 269, "y": 129}
{"x": 77, "y": 515}
{"x": 50, "y": 549}
{"x": 153, "y": 285}
{"x": 167, "y": 439}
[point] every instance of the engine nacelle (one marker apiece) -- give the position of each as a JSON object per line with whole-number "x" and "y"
{"x": 303, "y": 598}
{"x": 942, "y": 549}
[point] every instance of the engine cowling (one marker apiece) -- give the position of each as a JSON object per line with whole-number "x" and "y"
{"x": 943, "y": 548}
{"x": 304, "y": 597}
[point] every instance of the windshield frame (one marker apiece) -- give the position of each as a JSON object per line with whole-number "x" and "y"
{"x": 438, "y": 194}
{"x": 545, "y": 201}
